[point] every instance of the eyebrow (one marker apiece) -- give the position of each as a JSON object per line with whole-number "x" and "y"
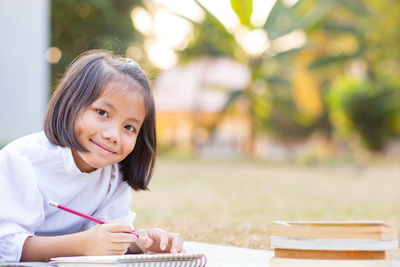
{"x": 111, "y": 106}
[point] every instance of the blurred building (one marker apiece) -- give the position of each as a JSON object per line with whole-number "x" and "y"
{"x": 189, "y": 100}
{"x": 24, "y": 71}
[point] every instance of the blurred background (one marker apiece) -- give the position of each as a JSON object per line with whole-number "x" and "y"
{"x": 266, "y": 109}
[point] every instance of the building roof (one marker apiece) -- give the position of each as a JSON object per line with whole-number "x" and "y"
{"x": 202, "y": 85}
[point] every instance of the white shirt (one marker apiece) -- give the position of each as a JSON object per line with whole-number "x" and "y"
{"x": 34, "y": 171}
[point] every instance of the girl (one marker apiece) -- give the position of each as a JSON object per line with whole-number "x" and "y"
{"x": 99, "y": 138}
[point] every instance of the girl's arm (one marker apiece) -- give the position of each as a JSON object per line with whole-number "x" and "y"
{"x": 42, "y": 248}
{"x": 112, "y": 238}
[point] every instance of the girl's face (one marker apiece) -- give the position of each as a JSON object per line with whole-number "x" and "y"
{"x": 108, "y": 128}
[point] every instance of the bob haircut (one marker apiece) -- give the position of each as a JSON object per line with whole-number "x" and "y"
{"x": 82, "y": 83}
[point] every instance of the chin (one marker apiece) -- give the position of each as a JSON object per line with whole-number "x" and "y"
{"x": 98, "y": 165}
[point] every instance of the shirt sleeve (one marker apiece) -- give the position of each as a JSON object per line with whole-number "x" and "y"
{"x": 117, "y": 205}
{"x": 21, "y": 209}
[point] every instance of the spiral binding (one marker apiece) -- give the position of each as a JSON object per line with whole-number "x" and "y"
{"x": 164, "y": 260}
{"x": 135, "y": 260}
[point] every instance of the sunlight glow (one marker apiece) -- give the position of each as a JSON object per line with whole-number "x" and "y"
{"x": 187, "y": 8}
{"x": 223, "y": 11}
{"x": 161, "y": 55}
{"x": 141, "y": 20}
{"x": 295, "y": 39}
{"x": 171, "y": 30}
{"x": 255, "y": 42}
{"x": 53, "y": 55}
{"x": 261, "y": 10}
{"x": 289, "y": 3}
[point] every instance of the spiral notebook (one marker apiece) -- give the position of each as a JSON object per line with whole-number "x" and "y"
{"x": 133, "y": 260}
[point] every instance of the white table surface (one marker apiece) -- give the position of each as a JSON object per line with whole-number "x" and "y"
{"x": 221, "y": 256}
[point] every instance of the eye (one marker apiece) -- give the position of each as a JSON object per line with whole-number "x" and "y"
{"x": 130, "y": 128}
{"x": 102, "y": 113}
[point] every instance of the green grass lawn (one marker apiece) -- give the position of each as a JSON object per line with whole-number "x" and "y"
{"x": 235, "y": 202}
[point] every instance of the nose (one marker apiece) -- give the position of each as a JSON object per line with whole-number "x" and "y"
{"x": 111, "y": 134}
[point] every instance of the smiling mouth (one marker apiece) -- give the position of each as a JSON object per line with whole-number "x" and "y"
{"x": 102, "y": 147}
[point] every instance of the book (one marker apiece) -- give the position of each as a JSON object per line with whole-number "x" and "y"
{"x": 133, "y": 260}
{"x": 336, "y": 254}
{"x": 281, "y": 262}
{"x": 333, "y": 244}
{"x": 334, "y": 240}
{"x": 334, "y": 230}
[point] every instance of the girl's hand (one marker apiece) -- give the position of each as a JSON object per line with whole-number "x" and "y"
{"x": 111, "y": 238}
{"x": 158, "y": 240}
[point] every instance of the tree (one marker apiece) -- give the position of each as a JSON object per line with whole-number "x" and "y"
{"x": 80, "y": 25}
{"x": 289, "y": 88}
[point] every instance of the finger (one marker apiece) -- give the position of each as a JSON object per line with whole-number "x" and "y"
{"x": 123, "y": 238}
{"x": 180, "y": 247}
{"x": 141, "y": 235}
{"x": 163, "y": 241}
{"x": 148, "y": 242}
{"x": 114, "y": 221}
{"x": 117, "y": 227}
{"x": 144, "y": 242}
{"x": 116, "y": 251}
{"x": 181, "y": 250}
{"x": 145, "y": 237}
{"x": 175, "y": 240}
{"x": 119, "y": 246}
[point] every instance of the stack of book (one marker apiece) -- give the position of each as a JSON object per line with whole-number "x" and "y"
{"x": 334, "y": 243}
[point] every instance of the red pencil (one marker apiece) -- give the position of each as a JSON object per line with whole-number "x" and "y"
{"x": 93, "y": 219}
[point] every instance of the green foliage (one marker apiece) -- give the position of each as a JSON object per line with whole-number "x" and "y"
{"x": 339, "y": 33}
{"x": 282, "y": 122}
{"x": 368, "y": 107}
{"x": 210, "y": 38}
{"x": 243, "y": 9}
{"x": 365, "y": 32}
{"x": 275, "y": 113}
{"x": 282, "y": 119}
{"x": 303, "y": 15}
{"x": 80, "y": 25}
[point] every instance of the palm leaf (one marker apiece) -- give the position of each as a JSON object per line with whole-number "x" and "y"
{"x": 243, "y": 9}
{"x": 283, "y": 19}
